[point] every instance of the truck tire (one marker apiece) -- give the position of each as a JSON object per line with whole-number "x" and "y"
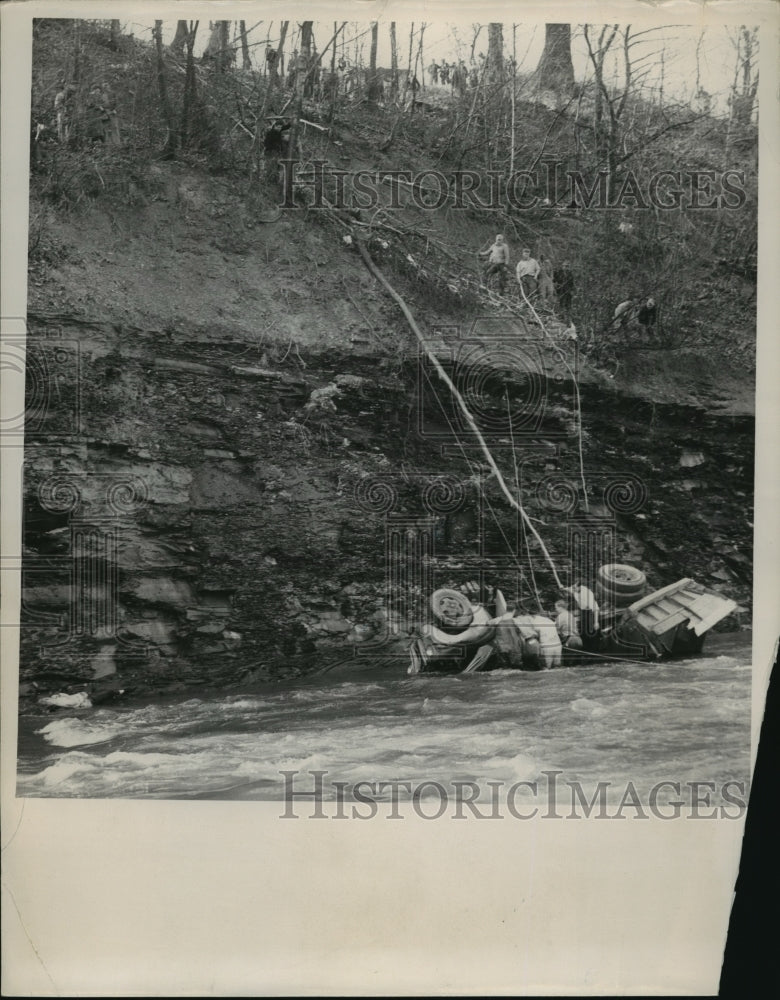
{"x": 620, "y": 578}
{"x": 477, "y": 633}
{"x": 465, "y": 616}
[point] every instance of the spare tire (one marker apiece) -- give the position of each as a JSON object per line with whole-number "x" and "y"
{"x": 620, "y": 578}
{"x": 477, "y": 633}
{"x": 451, "y": 608}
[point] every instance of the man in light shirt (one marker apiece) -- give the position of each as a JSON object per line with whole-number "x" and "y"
{"x": 497, "y": 261}
{"x": 527, "y": 273}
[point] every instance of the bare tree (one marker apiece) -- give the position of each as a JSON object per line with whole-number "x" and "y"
{"x": 76, "y": 75}
{"x": 477, "y": 30}
{"x": 556, "y": 69}
{"x": 408, "y": 80}
{"x": 615, "y": 138}
{"x": 190, "y": 84}
{"x": 273, "y": 72}
{"x": 373, "y": 82}
{"x": 304, "y": 77}
{"x": 218, "y": 47}
{"x": 177, "y": 45}
{"x": 165, "y": 102}
{"x": 418, "y": 62}
{"x": 513, "y": 97}
{"x": 421, "y": 58}
{"x": 606, "y": 109}
{"x": 745, "y": 85}
{"x": 247, "y": 61}
{"x": 226, "y": 53}
{"x": 495, "y": 56}
{"x": 393, "y": 63}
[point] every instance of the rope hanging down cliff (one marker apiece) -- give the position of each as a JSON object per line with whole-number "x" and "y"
{"x": 460, "y": 401}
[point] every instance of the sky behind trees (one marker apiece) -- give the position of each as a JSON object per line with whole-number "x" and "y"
{"x": 679, "y": 58}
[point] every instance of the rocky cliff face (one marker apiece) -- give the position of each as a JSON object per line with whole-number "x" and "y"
{"x": 231, "y": 451}
{"x": 198, "y": 522}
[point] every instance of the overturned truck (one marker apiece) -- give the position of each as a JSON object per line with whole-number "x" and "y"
{"x": 626, "y": 623}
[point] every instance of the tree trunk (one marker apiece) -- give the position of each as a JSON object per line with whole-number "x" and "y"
{"x": 76, "y": 52}
{"x": 477, "y": 30}
{"x": 408, "y": 80}
{"x": 513, "y": 96}
{"x": 212, "y": 45}
{"x": 373, "y": 83}
{"x": 303, "y": 80}
{"x": 169, "y": 149}
{"x": 274, "y": 70}
{"x": 556, "y": 70}
{"x": 334, "y": 80}
{"x": 393, "y": 63}
{"x": 115, "y": 30}
{"x": 247, "y": 62}
{"x": 419, "y": 60}
{"x": 742, "y": 101}
{"x": 604, "y": 123}
{"x": 422, "y": 60}
{"x": 177, "y": 45}
{"x": 302, "y": 84}
{"x": 190, "y": 84}
{"x": 218, "y": 47}
{"x": 495, "y": 56}
{"x": 225, "y": 52}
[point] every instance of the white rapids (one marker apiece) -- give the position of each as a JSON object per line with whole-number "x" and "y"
{"x": 685, "y": 721}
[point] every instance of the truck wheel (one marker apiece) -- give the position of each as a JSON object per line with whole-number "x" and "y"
{"x": 453, "y": 600}
{"x": 620, "y": 578}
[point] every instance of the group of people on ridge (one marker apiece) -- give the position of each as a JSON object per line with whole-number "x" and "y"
{"x": 536, "y": 278}
{"x": 96, "y": 114}
{"x": 457, "y": 75}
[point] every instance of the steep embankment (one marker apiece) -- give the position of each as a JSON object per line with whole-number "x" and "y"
{"x": 200, "y": 475}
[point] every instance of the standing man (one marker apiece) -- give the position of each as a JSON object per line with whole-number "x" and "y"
{"x": 527, "y": 273}
{"x": 647, "y": 313}
{"x": 497, "y": 262}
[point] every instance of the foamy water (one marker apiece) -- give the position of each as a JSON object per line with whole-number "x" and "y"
{"x": 687, "y": 721}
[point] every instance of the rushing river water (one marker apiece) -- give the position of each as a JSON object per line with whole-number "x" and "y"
{"x": 622, "y": 722}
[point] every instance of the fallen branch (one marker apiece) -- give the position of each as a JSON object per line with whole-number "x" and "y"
{"x": 320, "y": 128}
